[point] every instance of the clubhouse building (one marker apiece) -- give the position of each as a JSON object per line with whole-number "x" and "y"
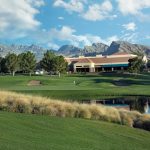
{"x": 99, "y": 63}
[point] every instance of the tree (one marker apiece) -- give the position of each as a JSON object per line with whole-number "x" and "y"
{"x": 51, "y": 62}
{"x": 11, "y": 63}
{"x": 3, "y": 68}
{"x": 47, "y": 61}
{"x": 59, "y": 64}
{"x": 27, "y": 62}
{"x": 21, "y": 62}
{"x": 1, "y": 63}
{"x": 148, "y": 64}
{"x": 136, "y": 65}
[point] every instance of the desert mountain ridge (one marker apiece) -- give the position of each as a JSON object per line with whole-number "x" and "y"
{"x": 73, "y": 51}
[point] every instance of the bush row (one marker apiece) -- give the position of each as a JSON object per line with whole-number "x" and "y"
{"x": 20, "y": 103}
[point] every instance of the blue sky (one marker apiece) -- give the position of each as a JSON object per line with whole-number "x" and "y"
{"x": 53, "y": 23}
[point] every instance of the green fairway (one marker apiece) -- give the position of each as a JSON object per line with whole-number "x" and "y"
{"x": 24, "y": 132}
{"x": 85, "y": 87}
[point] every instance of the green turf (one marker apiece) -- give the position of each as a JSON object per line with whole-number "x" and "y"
{"x": 35, "y": 132}
{"x": 87, "y": 86}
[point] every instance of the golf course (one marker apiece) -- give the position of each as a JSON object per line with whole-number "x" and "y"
{"x": 74, "y": 75}
{"x": 79, "y": 86}
{"x": 48, "y": 129}
{"x": 36, "y": 132}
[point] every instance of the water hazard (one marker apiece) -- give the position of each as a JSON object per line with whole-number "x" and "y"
{"x": 141, "y": 104}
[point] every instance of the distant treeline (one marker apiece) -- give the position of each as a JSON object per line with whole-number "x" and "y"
{"x": 27, "y": 63}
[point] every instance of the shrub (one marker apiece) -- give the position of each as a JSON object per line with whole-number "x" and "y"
{"x": 83, "y": 111}
{"x": 142, "y": 122}
{"x": 20, "y": 103}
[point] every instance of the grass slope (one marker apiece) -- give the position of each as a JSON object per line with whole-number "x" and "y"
{"x": 24, "y": 132}
{"x": 87, "y": 86}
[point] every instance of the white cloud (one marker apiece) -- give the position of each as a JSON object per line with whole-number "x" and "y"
{"x": 130, "y": 26}
{"x": 67, "y": 33}
{"x": 147, "y": 37}
{"x": 133, "y": 7}
{"x": 53, "y": 46}
{"x": 37, "y": 3}
{"x": 61, "y": 18}
{"x": 95, "y": 11}
{"x": 110, "y": 39}
{"x": 17, "y": 17}
{"x": 70, "y": 36}
{"x": 71, "y": 6}
{"x": 130, "y": 37}
{"x": 99, "y": 11}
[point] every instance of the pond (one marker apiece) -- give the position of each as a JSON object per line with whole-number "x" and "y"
{"x": 147, "y": 109}
{"x": 140, "y": 103}
{"x": 127, "y": 107}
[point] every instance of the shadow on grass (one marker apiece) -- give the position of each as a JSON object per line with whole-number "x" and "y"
{"x": 122, "y": 82}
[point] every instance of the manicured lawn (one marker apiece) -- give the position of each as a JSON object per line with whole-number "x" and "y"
{"x": 24, "y": 132}
{"x": 86, "y": 87}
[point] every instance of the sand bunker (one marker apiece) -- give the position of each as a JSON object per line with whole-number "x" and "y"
{"x": 34, "y": 83}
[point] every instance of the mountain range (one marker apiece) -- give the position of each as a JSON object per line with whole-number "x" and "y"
{"x": 73, "y": 51}
{"x": 17, "y": 49}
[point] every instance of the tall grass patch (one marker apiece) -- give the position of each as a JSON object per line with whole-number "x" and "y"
{"x": 13, "y": 102}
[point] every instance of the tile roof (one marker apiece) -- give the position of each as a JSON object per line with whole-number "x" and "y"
{"x": 79, "y": 60}
{"x": 84, "y": 60}
{"x": 102, "y": 60}
{"x": 109, "y": 60}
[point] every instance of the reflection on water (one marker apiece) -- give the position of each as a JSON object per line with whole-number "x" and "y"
{"x": 147, "y": 109}
{"x": 141, "y": 104}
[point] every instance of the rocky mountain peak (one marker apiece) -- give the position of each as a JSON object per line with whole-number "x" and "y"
{"x": 123, "y": 46}
{"x": 71, "y": 51}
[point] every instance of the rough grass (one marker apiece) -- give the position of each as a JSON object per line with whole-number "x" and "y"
{"x": 20, "y": 103}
